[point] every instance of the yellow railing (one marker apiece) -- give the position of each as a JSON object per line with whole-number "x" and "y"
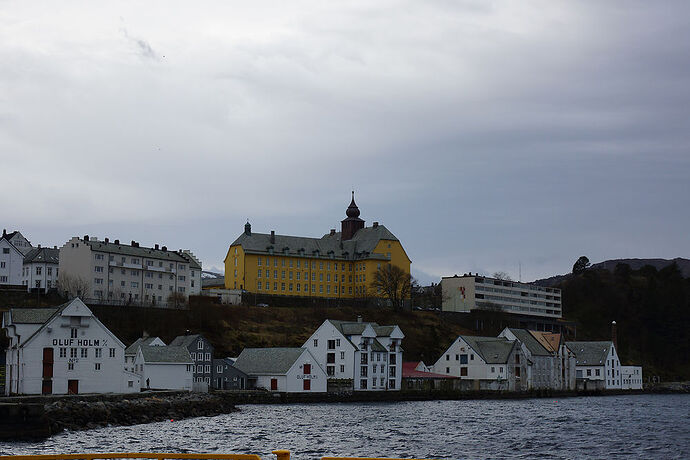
{"x": 280, "y": 454}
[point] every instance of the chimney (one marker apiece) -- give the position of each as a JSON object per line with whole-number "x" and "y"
{"x": 376, "y": 224}
{"x": 332, "y": 231}
{"x": 86, "y": 237}
{"x": 4, "y": 232}
{"x": 117, "y": 241}
{"x": 145, "y": 335}
{"x": 54, "y": 247}
{"x": 39, "y": 246}
{"x": 614, "y": 335}
{"x": 133, "y": 243}
{"x": 359, "y": 318}
{"x": 156, "y": 246}
{"x": 164, "y": 248}
{"x": 107, "y": 240}
{"x": 273, "y": 236}
{"x": 248, "y": 229}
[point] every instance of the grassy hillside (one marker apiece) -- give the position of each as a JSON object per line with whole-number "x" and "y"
{"x": 231, "y": 328}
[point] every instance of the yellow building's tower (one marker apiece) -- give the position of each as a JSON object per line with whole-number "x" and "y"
{"x": 339, "y": 265}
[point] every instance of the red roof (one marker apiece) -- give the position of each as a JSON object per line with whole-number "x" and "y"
{"x": 410, "y": 372}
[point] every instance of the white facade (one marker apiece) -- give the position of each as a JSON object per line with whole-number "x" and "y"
{"x": 71, "y": 352}
{"x": 631, "y": 377}
{"x": 303, "y": 374}
{"x": 40, "y": 269}
{"x": 131, "y": 351}
{"x": 369, "y": 355}
{"x": 11, "y": 262}
{"x": 111, "y": 272}
{"x": 495, "y": 363}
{"x": 164, "y": 373}
{"x": 470, "y": 292}
{"x": 598, "y": 365}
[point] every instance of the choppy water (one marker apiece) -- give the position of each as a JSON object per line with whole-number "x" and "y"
{"x": 646, "y": 426}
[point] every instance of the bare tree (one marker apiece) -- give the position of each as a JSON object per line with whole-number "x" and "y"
{"x": 177, "y": 300}
{"x": 73, "y": 286}
{"x": 502, "y": 276}
{"x": 393, "y": 283}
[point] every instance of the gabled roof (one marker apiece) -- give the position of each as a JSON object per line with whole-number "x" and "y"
{"x": 493, "y": 350}
{"x": 532, "y": 344}
{"x": 590, "y": 353}
{"x": 549, "y": 340}
{"x": 185, "y": 340}
{"x": 140, "y": 342}
{"x": 360, "y": 246}
{"x": 267, "y": 361}
{"x": 169, "y": 354}
{"x": 32, "y": 315}
{"x": 44, "y": 255}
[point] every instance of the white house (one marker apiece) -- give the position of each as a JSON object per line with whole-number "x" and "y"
{"x": 40, "y": 269}
{"x": 291, "y": 370}
{"x": 369, "y": 355}
{"x": 63, "y": 350}
{"x": 493, "y": 363}
{"x": 598, "y": 365}
{"x": 566, "y": 364}
{"x": 131, "y": 351}
{"x": 631, "y": 377}
{"x": 164, "y": 368}
{"x": 12, "y": 251}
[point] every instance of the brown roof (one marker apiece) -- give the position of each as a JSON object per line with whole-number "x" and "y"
{"x": 549, "y": 340}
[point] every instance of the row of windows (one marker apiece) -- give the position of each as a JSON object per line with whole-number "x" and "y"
{"x": 84, "y": 352}
{"x": 96, "y": 366}
{"x": 135, "y": 285}
{"x": 305, "y": 288}
{"x": 201, "y": 356}
{"x": 299, "y": 264}
{"x": 99, "y": 269}
{"x": 364, "y": 382}
{"x": 98, "y": 293}
{"x": 26, "y": 271}
{"x": 137, "y": 261}
{"x": 298, "y": 275}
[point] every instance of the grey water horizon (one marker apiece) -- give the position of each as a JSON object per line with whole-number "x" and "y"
{"x": 630, "y": 426}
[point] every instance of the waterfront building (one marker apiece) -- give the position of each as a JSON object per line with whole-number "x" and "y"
{"x": 291, "y": 370}
{"x": 473, "y": 292}
{"x": 598, "y": 365}
{"x": 366, "y": 354}
{"x": 40, "y": 269}
{"x": 164, "y": 368}
{"x": 131, "y": 351}
{"x": 631, "y": 377}
{"x": 339, "y": 265}
{"x": 565, "y": 365}
{"x": 111, "y": 272}
{"x": 13, "y": 246}
{"x": 226, "y": 376}
{"x": 418, "y": 376}
{"x": 63, "y": 350}
{"x": 201, "y": 351}
{"x": 492, "y": 363}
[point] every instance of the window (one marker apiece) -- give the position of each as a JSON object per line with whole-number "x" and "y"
{"x": 331, "y": 344}
{"x": 63, "y": 352}
{"x": 5, "y": 250}
{"x": 517, "y": 371}
{"x": 73, "y": 333}
{"x": 342, "y": 355}
{"x": 463, "y": 359}
{"x": 135, "y": 284}
{"x": 316, "y": 342}
{"x": 200, "y": 369}
{"x": 391, "y": 383}
{"x": 208, "y": 356}
{"x": 330, "y": 358}
{"x": 70, "y": 366}
{"x": 363, "y": 371}
{"x": 112, "y": 352}
{"x": 84, "y": 352}
{"x": 463, "y": 371}
{"x": 50, "y": 271}
{"x": 342, "y": 368}
{"x": 258, "y": 284}
{"x": 493, "y": 370}
{"x": 200, "y": 345}
{"x": 589, "y": 372}
{"x": 330, "y": 370}
{"x": 363, "y": 384}
{"x": 99, "y": 352}
{"x": 72, "y": 352}
{"x": 307, "y": 369}
{"x": 597, "y": 372}
{"x": 97, "y": 366}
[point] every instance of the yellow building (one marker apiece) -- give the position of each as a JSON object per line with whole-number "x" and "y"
{"x": 337, "y": 265}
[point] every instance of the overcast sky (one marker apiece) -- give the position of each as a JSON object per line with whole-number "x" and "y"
{"x": 485, "y": 135}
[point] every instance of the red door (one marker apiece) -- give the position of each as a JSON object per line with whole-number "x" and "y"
{"x": 307, "y": 369}
{"x": 47, "y": 363}
{"x": 47, "y": 388}
{"x": 274, "y": 384}
{"x": 73, "y": 387}
{"x": 306, "y": 385}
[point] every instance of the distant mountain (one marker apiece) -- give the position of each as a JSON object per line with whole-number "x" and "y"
{"x": 206, "y": 275}
{"x": 635, "y": 264}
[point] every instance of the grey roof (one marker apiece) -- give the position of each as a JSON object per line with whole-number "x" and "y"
{"x": 140, "y": 342}
{"x": 383, "y": 331}
{"x": 376, "y": 346}
{"x": 493, "y": 350}
{"x": 360, "y": 246}
{"x": 184, "y": 340}
{"x": 590, "y": 353}
{"x": 45, "y": 255}
{"x": 169, "y": 354}
{"x": 126, "y": 249}
{"x": 267, "y": 361}
{"x": 33, "y": 315}
{"x": 210, "y": 282}
{"x": 532, "y": 344}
